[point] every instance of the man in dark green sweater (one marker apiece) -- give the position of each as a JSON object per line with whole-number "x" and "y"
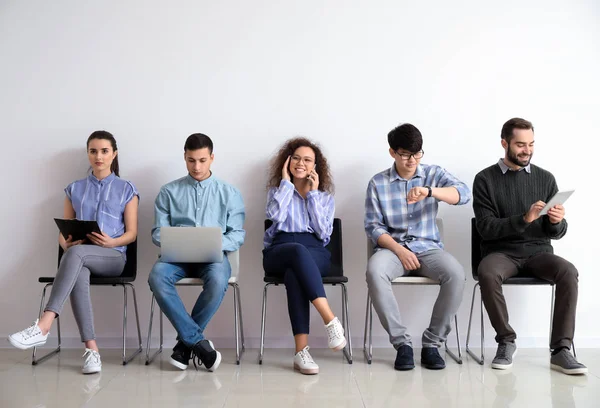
{"x": 507, "y": 199}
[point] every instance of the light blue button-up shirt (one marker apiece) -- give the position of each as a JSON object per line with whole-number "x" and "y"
{"x": 290, "y": 212}
{"x": 102, "y": 201}
{"x": 187, "y": 202}
{"x": 412, "y": 225}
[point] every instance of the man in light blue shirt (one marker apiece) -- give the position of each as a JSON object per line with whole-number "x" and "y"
{"x": 400, "y": 212}
{"x": 196, "y": 200}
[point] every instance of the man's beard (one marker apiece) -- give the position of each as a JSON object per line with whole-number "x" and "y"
{"x": 512, "y": 157}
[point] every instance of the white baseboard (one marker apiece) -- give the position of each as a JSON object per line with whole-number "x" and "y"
{"x": 315, "y": 342}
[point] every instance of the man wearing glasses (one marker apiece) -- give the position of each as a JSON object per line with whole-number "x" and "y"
{"x": 400, "y": 212}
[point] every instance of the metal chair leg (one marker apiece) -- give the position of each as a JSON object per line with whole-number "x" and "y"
{"x": 150, "y": 358}
{"x": 368, "y": 339}
{"x": 456, "y": 358}
{"x": 262, "y": 325}
{"x": 239, "y": 296}
{"x": 469, "y": 351}
{"x": 345, "y": 318}
{"x": 551, "y": 317}
{"x": 139, "y": 349}
{"x": 57, "y": 349}
{"x": 236, "y": 311}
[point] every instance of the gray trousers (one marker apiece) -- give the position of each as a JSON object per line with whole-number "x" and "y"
{"x": 73, "y": 279}
{"x": 384, "y": 266}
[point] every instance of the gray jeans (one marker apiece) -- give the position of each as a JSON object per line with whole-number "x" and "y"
{"x": 384, "y": 266}
{"x": 73, "y": 279}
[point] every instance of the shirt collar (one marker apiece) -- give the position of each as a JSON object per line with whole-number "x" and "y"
{"x": 505, "y": 168}
{"x": 105, "y": 180}
{"x": 395, "y": 176}
{"x": 204, "y": 183}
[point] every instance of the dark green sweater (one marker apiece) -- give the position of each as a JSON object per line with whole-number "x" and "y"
{"x": 500, "y": 202}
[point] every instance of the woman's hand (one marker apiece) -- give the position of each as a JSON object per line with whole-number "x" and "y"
{"x": 102, "y": 240}
{"x": 69, "y": 242}
{"x": 313, "y": 179}
{"x": 285, "y": 174}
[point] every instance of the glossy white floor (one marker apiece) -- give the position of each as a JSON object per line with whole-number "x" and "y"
{"x": 530, "y": 383}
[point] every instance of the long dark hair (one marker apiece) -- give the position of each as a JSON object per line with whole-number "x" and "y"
{"x": 288, "y": 149}
{"x": 104, "y": 135}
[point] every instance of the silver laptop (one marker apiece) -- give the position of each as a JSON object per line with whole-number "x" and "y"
{"x": 191, "y": 244}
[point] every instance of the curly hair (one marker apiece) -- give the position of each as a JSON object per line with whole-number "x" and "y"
{"x": 288, "y": 149}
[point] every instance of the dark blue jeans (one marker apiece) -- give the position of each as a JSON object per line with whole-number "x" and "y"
{"x": 301, "y": 259}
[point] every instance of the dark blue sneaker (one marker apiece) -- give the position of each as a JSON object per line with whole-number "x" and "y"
{"x": 404, "y": 358}
{"x": 431, "y": 359}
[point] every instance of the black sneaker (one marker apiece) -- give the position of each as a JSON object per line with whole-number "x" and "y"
{"x": 205, "y": 352}
{"x": 181, "y": 356}
{"x": 404, "y": 358}
{"x": 431, "y": 359}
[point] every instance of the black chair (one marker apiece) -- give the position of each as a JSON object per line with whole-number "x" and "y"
{"x": 335, "y": 277}
{"x": 125, "y": 280}
{"x": 521, "y": 279}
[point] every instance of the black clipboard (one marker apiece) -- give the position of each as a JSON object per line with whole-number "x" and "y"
{"x": 77, "y": 229}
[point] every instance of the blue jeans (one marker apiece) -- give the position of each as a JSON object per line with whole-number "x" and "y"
{"x": 162, "y": 279}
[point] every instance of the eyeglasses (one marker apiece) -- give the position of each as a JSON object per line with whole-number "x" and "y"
{"x": 407, "y": 156}
{"x": 307, "y": 159}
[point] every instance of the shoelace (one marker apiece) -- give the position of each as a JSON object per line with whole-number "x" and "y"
{"x": 30, "y": 331}
{"x": 306, "y": 357}
{"x": 502, "y": 353}
{"x": 196, "y": 360}
{"x": 334, "y": 331}
{"x": 89, "y": 355}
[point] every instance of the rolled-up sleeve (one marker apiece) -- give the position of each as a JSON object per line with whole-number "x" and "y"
{"x": 321, "y": 209}
{"x": 445, "y": 179}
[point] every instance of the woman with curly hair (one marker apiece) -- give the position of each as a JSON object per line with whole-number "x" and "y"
{"x": 300, "y": 203}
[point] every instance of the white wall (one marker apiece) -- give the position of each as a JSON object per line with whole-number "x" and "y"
{"x": 252, "y": 74}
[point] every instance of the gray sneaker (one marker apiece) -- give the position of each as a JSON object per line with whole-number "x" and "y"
{"x": 504, "y": 356}
{"x": 565, "y": 362}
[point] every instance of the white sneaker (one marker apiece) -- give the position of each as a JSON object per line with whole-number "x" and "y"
{"x": 30, "y": 337}
{"x": 92, "y": 363}
{"x": 304, "y": 362}
{"x": 335, "y": 335}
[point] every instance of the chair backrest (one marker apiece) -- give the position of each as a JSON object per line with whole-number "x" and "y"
{"x": 371, "y": 248}
{"x": 130, "y": 270}
{"x": 475, "y": 248}
{"x": 234, "y": 261}
{"x": 334, "y": 246}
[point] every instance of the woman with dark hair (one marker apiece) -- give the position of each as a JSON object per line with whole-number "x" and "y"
{"x": 301, "y": 206}
{"x": 113, "y": 203}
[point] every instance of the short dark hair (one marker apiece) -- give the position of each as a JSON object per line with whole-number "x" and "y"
{"x": 197, "y": 141}
{"x": 512, "y": 124}
{"x": 407, "y": 137}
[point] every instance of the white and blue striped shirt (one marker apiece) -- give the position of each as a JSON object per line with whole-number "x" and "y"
{"x": 102, "y": 201}
{"x": 411, "y": 225}
{"x": 290, "y": 212}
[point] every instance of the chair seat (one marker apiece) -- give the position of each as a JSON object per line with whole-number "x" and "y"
{"x": 327, "y": 280}
{"x": 525, "y": 280}
{"x": 415, "y": 280}
{"x": 117, "y": 280}
{"x": 198, "y": 281}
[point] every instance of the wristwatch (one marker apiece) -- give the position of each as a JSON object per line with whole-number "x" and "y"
{"x": 430, "y": 191}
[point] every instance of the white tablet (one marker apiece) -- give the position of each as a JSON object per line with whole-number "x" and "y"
{"x": 559, "y": 198}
